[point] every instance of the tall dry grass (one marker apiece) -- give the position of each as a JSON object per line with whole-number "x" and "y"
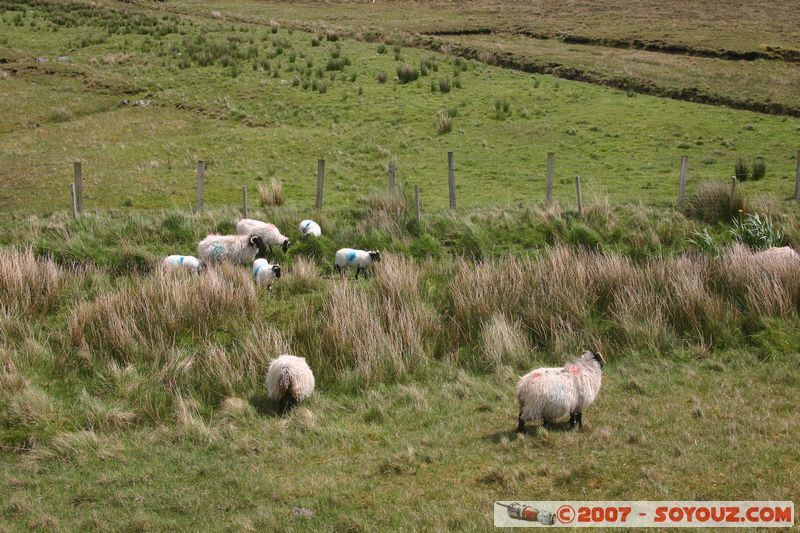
{"x": 27, "y": 284}
{"x": 568, "y": 298}
{"x": 379, "y": 332}
{"x": 271, "y": 195}
{"x": 147, "y": 318}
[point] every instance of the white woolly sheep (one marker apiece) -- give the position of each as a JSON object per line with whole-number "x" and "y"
{"x": 188, "y": 262}
{"x": 264, "y": 273}
{"x": 240, "y": 249}
{"x": 289, "y": 380}
{"x": 783, "y": 253}
{"x": 357, "y": 258}
{"x": 269, "y": 233}
{"x": 309, "y": 227}
{"x": 548, "y": 394}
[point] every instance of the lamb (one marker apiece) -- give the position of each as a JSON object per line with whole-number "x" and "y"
{"x": 309, "y": 227}
{"x": 359, "y": 258}
{"x": 289, "y": 380}
{"x": 550, "y": 393}
{"x": 264, "y": 273}
{"x": 240, "y": 249}
{"x": 188, "y": 262}
{"x": 269, "y": 233}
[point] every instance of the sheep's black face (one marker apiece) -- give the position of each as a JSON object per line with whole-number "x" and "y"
{"x": 286, "y": 244}
{"x": 202, "y": 267}
{"x": 258, "y": 242}
{"x": 599, "y": 358}
{"x": 276, "y": 269}
{"x": 375, "y": 256}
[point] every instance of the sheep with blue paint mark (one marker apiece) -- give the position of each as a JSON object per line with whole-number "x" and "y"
{"x": 264, "y": 273}
{"x": 239, "y": 249}
{"x": 289, "y": 380}
{"x": 548, "y": 394}
{"x": 188, "y": 262}
{"x": 269, "y": 233}
{"x": 310, "y": 228}
{"x": 360, "y": 259}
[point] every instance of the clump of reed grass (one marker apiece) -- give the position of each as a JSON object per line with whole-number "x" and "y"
{"x": 715, "y": 202}
{"x": 29, "y": 285}
{"x": 271, "y": 195}
{"x": 444, "y": 122}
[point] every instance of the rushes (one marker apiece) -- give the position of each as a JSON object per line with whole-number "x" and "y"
{"x": 272, "y": 194}
{"x": 29, "y": 285}
{"x": 444, "y": 122}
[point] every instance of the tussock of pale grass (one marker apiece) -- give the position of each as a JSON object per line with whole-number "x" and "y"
{"x": 28, "y": 284}
{"x": 76, "y": 446}
{"x": 387, "y": 212}
{"x": 503, "y": 343}
{"x": 271, "y": 195}
{"x": 567, "y": 299}
{"x": 33, "y": 407}
{"x": 190, "y": 423}
{"x": 713, "y": 202}
{"x": 366, "y": 333}
{"x": 101, "y": 414}
{"x": 147, "y": 317}
{"x": 398, "y": 278}
{"x": 305, "y": 276}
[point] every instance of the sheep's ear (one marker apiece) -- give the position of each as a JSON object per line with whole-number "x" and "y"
{"x": 599, "y": 358}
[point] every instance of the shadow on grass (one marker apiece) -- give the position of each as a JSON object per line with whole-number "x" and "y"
{"x": 266, "y": 407}
{"x": 531, "y": 430}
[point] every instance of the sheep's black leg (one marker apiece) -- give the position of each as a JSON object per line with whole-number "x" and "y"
{"x": 580, "y": 419}
{"x": 521, "y": 424}
{"x": 338, "y": 269}
{"x": 358, "y": 271}
{"x": 574, "y": 419}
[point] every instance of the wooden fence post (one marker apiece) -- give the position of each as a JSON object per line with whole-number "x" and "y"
{"x": 320, "y": 180}
{"x": 244, "y": 202}
{"x": 797, "y": 179}
{"x": 451, "y": 175}
{"x": 391, "y": 173}
{"x": 74, "y": 201}
{"x": 682, "y": 181}
{"x": 733, "y": 187}
{"x": 416, "y": 201}
{"x": 578, "y": 192}
{"x": 551, "y": 170}
{"x": 78, "y": 186}
{"x": 201, "y": 186}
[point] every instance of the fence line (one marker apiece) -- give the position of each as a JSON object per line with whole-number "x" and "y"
{"x": 76, "y": 188}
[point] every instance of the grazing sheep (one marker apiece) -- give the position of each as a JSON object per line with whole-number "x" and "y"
{"x": 240, "y": 249}
{"x": 268, "y": 232}
{"x": 289, "y": 380}
{"x": 188, "y": 262}
{"x": 264, "y": 273}
{"x": 783, "y": 253}
{"x": 550, "y": 393}
{"x": 358, "y": 258}
{"x": 309, "y": 227}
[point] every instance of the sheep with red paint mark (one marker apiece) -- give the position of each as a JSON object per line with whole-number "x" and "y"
{"x": 548, "y": 394}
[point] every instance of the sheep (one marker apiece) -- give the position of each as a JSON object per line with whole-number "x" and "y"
{"x": 240, "y": 249}
{"x": 784, "y": 253}
{"x": 289, "y": 380}
{"x": 309, "y": 227}
{"x": 264, "y": 273}
{"x": 550, "y": 393}
{"x": 268, "y": 232}
{"x": 188, "y": 262}
{"x": 359, "y": 258}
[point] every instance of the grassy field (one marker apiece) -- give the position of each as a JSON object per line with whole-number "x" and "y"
{"x": 130, "y": 402}
{"x": 133, "y": 399}
{"x": 248, "y": 115}
{"x": 723, "y": 31}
